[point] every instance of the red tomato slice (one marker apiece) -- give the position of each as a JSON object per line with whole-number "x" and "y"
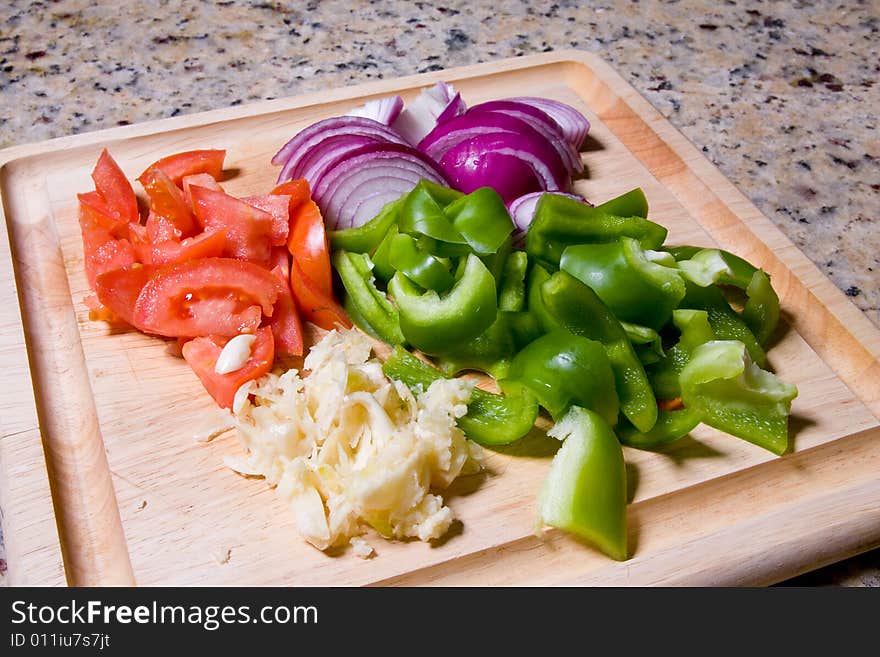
{"x": 168, "y": 203}
{"x": 101, "y": 251}
{"x": 102, "y": 215}
{"x": 159, "y": 229}
{"x": 315, "y": 306}
{"x": 308, "y": 245}
{"x": 281, "y": 258}
{"x": 285, "y": 323}
{"x": 118, "y": 289}
{"x": 179, "y": 165}
{"x": 278, "y": 207}
{"x": 209, "y": 244}
{"x": 248, "y": 229}
{"x": 202, "y": 354}
{"x": 298, "y": 191}
{"x": 198, "y": 180}
{"x": 207, "y": 296}
{"x": 114, "y": 188}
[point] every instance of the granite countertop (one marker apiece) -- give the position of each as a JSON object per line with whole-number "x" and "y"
{"x": 781, "y": 96}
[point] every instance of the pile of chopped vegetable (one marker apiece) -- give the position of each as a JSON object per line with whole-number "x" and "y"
{"x": 228, "y": 277}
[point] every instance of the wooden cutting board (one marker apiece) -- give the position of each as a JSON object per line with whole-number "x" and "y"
{"x": 99, "y": 466}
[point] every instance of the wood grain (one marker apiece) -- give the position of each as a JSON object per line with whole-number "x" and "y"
{"x": 138, "y": 500}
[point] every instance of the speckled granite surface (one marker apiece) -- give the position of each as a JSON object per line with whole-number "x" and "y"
{"x": 782, "y": 96}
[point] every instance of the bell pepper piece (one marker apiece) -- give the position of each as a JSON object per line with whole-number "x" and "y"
{"x": 512, "y": 287}
{"x": 419, "y": 266}
{"x": 423, "y": 214}
{"x": 670, "y": 426}
{"x": 490, "y": 352}
{"x": 382, "y": 267}
{"x": 695, "y": 330}
{"x": 633, "y": 287}
{"x": 432, "y": 323}
{"x": 761, "y": 312}
{"x": 481, "y": 218}
{"x": 724, "y": 320}
{"x": 585, "y": 491}
{"x": 561, "y": 221}
{"x": 535, "y": 302}
{"x": 734, "y": 395}
{"x": 366, "y": 238}
{"x": 491, "y": 420}
{"x": 561, "y": 370}
{"x": 643, "y": 335}
{"x": 372, "y": 305}
{"x": 580, "y": 310}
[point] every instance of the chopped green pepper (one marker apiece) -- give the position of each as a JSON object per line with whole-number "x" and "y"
{"x": 562, "y": 369}
{"x": 491, "y": 420}
{"x": 372, "y": 306}
{"x": 761, "y": 312}
{"x": 670, "y": 426}
{"x": 634, "y": 288}
{"x": 419, "y": 266}
{"x": 585, "y": 491}
{"x": 382, "y": 268}
{"x": 579, "y": 309}
{"x": 366, "y": 238}
{"x": 432, "y": 323}
{"x": 733, "y": 394}
{"x": 512, "y": 290}
{"x": 489, "y": 352}
{"x": 535, "y": 302}
{"x": 695, "y": 330}
{"x": 561, "y": 221}
{"x": 482, "y": 219}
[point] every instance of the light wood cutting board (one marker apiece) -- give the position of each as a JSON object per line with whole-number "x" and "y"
{"x": 99, "y": 467}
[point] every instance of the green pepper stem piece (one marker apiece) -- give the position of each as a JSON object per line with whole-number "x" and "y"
{"x": 432, "y": 323}
{"x": 585, "y": 491}
{"x": 578, "y": 308}
{"x": 734, "y": 395}
{"x": 491, "y": 420}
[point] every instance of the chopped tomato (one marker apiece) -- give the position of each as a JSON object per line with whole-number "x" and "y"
{"x": 198, "y": 180}
{"x": 167, "y": 202}
{"x": 98, "y": 312}
{"x": 160, "y": 229}
{"x": 308, "y": 245}
{"x": 114, "y": 188}
{"x": 315, "y": 306}
{"x": 285, "y": 323}
{"x": 278, "y": 207}
{"x": 208, "y": 296}
{"x": 248, "y": 229}
{"x": 102, "y": 215}
{"x": 118, "y": 289}
{"x": 209, "y": 244}
{"x": 298, "y": 191}
{"x": 202, "y": 354}
{"x": 101, "y": 251}
{"x": 179, "y": 165}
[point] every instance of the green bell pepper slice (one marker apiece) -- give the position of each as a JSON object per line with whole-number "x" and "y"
{"x": 423, "y": 214}
{"x": 380, "y": 318}
{"x": 731, "y": 393}
{"x": 433, "y": 323}
{"x": 366, "y": 238}
{"x": 561, "y": 221}
{"x": 482, "y": 219}
{"x": 695, "y": 330}
{"x": 419, "y": 266}
{"x": 585, "y": 491}
{"x": 512, "y": 288}
{"x": 706, "y": 267}
{"x": 646, "y": 342}
{"x": 670, "y": 426}
{"x": 724, "y": 320}
{"x": 634, "y": 288}
{"x": 561, "y": 370}
{"x": 491, "y": 420}
{"x": 382, "y": 267}
{"x": 580, "y": 310}
{"x": 536, "y": 278}
{"x": 490, "y": 352}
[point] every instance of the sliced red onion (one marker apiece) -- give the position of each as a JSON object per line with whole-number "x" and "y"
{"x": 482, "y": 161}
{"x": 354, "y": 190}
{"x": 573, "y": 124}
{"x": 383, "y": 110}
{"x": 320, "y": 157}
{"x": 431, "y": 107}
{"x": 541, "y": 122}
{"x": 299, "y": 146}
{"x": 522, "y": 211}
